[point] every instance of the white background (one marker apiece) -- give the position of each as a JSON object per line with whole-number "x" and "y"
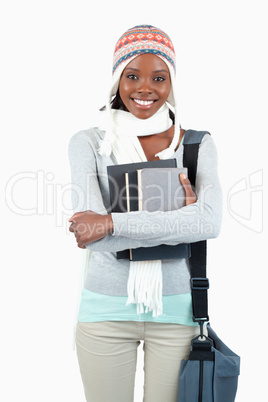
{"x": 56, "y": 61}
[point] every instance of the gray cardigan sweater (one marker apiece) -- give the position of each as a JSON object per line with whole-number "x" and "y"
{"x": 199, "y": 221}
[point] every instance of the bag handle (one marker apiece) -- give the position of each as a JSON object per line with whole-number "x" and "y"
{"x": 198, "y": 259}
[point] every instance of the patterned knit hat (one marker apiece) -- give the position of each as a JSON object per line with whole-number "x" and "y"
{"x": 139, "y": 40}
{"x": 143, "y": 39}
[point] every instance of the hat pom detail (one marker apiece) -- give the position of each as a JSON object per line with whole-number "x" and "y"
{"x": 105, "y": 148}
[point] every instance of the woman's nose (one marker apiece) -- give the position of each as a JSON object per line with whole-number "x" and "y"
{"x": 144, "y": 87}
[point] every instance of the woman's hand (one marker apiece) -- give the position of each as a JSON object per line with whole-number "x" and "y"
{"x": 191, "y": 197}
{"x": 89, "y": 226}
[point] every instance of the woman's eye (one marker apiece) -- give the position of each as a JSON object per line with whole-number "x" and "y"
{"x": 132, "y": 77}
{"x": 159, "y": 79}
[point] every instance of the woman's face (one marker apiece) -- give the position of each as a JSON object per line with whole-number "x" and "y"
{"x": 145, "y": 85}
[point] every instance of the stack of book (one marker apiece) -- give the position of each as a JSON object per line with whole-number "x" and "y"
{"x": 148, "y": 186}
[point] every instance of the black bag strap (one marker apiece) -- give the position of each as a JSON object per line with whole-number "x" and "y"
{"x": 198, "y": 259}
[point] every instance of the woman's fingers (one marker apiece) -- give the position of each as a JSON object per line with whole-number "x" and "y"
{"x": 89, "y": 226}
{"x": 76, "y": 215}
{"x": 190, "y": 195}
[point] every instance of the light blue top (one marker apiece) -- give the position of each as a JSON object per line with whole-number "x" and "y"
{"x": 95, "y": 307}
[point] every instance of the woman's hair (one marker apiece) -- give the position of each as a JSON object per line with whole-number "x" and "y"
{"x": 117, "y": 103}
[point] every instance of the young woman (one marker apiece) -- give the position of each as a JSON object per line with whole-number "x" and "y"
{"x": 141, "y": 123}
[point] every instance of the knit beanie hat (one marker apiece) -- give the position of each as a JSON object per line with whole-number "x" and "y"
{"x": 142, "y": 39}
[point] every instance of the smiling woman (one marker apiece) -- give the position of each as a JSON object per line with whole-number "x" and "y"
{"x": 123, "y": 301}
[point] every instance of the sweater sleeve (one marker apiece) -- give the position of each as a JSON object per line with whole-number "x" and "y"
{"x": 87, "y": 195}
{"x": 195, "y": 222}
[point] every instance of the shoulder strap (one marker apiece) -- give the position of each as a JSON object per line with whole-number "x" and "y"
{"x": 193, "y": 136}
{"x": 198, "y": 259}
{"x": 191, "y": 142}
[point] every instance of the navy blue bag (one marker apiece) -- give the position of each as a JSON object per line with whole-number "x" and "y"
{"x": 211, "y": 372}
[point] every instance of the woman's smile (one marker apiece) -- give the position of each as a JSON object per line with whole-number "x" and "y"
{"x": 143, "y": 103}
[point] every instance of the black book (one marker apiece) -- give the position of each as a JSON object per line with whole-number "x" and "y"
{"x": 121, "y": 203}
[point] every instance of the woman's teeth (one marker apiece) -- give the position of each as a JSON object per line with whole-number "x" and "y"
{"x": 143, "y": 103}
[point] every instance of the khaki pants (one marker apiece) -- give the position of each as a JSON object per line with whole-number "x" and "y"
{"x": 107, "y": 355}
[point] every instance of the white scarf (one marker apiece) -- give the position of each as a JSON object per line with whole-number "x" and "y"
{"x": 126, "y": 129}
{"x": 145, "y": 277}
